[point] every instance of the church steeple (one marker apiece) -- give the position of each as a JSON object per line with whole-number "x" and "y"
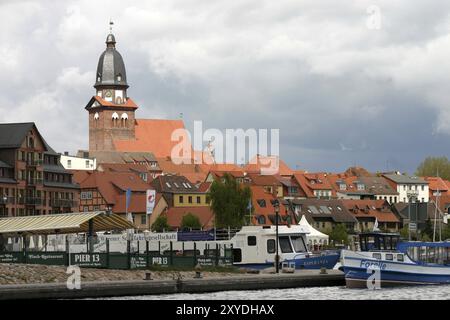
{"x": 111, "y": 111}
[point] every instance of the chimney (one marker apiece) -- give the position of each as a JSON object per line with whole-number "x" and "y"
{"x": 66, "y": 153}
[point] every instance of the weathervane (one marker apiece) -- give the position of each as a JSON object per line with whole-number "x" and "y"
{"x": 111, "y": 23}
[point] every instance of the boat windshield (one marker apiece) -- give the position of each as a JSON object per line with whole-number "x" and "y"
{"x": 434, "y": 253}
{"x": 378, "y": 241}
{"x": 298, "y": 243}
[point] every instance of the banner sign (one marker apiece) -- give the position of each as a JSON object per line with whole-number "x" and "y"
{"x": 150, "y": 200}
{"x": 151, "y": 236}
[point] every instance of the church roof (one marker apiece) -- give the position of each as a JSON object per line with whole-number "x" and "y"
{"x": 111, "y": 68}
{"x": 129, "y": 103}
{"x": 152, "y": 135}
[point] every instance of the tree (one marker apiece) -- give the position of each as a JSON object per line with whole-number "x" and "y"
{"x": 229, "y": 201}
{"x": 160, "y": 224}
{"x": 190, "y": 221}
{"x": 339, "y": 234}
{"x": 432, "y": 166}
{"x": 404, "y": 234}
{"x": 428, "y": 230}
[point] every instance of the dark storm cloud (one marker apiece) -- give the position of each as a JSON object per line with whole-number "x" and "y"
{"x": 340, "y": 93}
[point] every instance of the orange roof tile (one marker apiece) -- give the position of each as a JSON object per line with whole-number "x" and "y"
{"x": 152, "y": 135}
{"x": 259, "y": 163}
{"x": 437, "y": 183}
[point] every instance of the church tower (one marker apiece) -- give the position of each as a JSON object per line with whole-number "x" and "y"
{"x": 111, "y": 111}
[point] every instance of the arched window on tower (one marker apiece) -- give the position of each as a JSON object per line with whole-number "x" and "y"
{"x": 96, "y": 117}
{"x": 115, "y": 119}
{"x": 119, "y": 100}
{"x": 124, "y": 119}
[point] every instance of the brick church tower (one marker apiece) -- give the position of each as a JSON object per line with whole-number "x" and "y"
{"x": 111, "y": 111}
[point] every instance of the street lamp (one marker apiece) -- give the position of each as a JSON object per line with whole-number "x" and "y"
{"x": 276, "y": 206}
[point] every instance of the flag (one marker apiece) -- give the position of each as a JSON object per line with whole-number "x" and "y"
{"x": 150, "y": 200}
{"x": 128, "y": 199}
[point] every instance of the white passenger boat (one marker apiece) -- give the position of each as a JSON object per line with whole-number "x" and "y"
{"x": 383, "y": 258}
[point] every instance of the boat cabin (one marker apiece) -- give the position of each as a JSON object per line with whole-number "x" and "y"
{"x": 378, "y": 241}
{"x": 427, "y": 253}
{"x": 257, "y": 244}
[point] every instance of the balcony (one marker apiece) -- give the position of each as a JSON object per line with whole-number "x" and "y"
{"x": 34, "y": 181}
{"x": 34, "y": 163}
{"x": 7, "y": 200}
{"x": 33, "y": 201}
{"x": 63, "y": 203}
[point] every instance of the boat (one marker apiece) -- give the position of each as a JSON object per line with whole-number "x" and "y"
{"x": 254, "y": 247}
{"x": 383, "y": 260}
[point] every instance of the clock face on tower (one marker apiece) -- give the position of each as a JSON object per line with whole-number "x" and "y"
{"x": 108, "y": 94}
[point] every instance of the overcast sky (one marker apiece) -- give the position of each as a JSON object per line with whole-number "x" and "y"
{"x": 342, "y": 90}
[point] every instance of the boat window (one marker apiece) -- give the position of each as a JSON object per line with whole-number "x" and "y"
{"x": 251, "y": 240}
{"x": 285, "y": 245}
{"x": 389, "y": 256}
{"x": 271, "y": 246}
{"x": 400, "y": 257}
{"x": 297, "y": 242}
{"x": 376, "y": 255}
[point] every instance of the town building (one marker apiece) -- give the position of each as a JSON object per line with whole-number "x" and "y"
{"x": 32, "y": 179}
{"x": 315, "y": 185}
{"x": 106, "y": 191}
{"x": 179, "y": 197}
{"x": 409, "y": 187}
{"x": 369, "y": 212}
{"x": 77, "y": 163}
{"x": 264, "y": 210}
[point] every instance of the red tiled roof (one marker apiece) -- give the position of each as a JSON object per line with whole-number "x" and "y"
{"x": 264, "y": 180}
{"x": 80, "y": 175}
{"x": 378, "y": 209}
{"x": 137, "y": 203}
{"x": 152, "y": 135}
{"x": 437, "y": 183}
{"x": 266, "y": 162}
{"x": 258, "y": 193}
{"x": 175, "y": 216}
{"x": 112, "y": 184}
{"x": 128, "y": 104}
{"x": 123, "y": 167}
{"x": 313, "y": 181}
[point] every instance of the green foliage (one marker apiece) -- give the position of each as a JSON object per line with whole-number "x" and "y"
{"x": 404, "y": 232}
{"x": 190, "y": 221}
{"x": 229, "y": 201}
{"x": 428, "y": 230}
{"x": 338, "y": 234}
{"x": 433, "y": 165}
{"x": 160, "y": 224}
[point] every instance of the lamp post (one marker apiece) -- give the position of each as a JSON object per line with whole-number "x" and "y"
{"x": 276, "y": 206}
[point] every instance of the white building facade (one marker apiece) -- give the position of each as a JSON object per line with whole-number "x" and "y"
{"x": 410, "y": 187}
{"x": 78, "y": 163}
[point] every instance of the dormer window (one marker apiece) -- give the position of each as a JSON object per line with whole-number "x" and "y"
{"x": 342, "y": 186}
{"x": 119, "y": 77}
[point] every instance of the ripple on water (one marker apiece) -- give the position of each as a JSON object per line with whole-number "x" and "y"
{"x": 317, "y": 293}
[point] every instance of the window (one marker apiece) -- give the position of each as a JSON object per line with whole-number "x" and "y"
{"x": 85, "y": 195}
{"x": 342, "y": 186}
{"x": 261, "y": 203}
{"x": 251, "y": 241}
{"x": 261, "y": 220}
{"x": 87, "y": 164}
{"x": 271, "y": 246}
{"x": 144, "y": 219}
{"x": 423, "y": 199}
{"x": 299, "y": 245}
{"x": 69, "y": 163}
{"x": 377, "y": 256}
{"x": 198, "y": 200}
{"x": 360, "y": 186}
{"x": 400, "y": 257}
{"x": 389, "y": 256}
{"x": 85, "y": 208}
{"x": 190, "y": 199}
{"x": 423, "y": 188}
{"x": 181, "y": 200}
{"x": 285, "y": 245}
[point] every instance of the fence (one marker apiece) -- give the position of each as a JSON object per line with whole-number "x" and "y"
{"x": 214, "y": 254}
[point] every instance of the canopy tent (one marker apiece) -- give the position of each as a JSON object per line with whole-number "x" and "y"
{"x": 314, "y": 236}
{"x": 63, "y": 223}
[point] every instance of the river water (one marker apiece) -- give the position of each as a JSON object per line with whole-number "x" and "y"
{"x": 316, "y": 293}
